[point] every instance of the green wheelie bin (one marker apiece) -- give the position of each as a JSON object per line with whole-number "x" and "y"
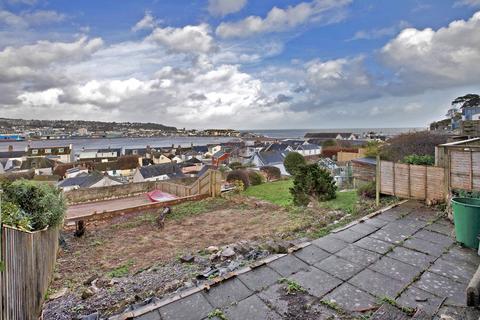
{"x": 466, "y": 216}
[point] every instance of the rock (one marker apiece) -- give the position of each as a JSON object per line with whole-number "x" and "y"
{"x": 87, "y": 293}
{"x": 201, "y": 260}
{"x": 212, "y": 249}
{"x": 228, "y": 252}
{"x": 233, "y": 265}
{"x": 113, "y": 282}
{"x": 214, "y": 256}
{"x": 89, "y": 280}
{"x": 60, "y": 293}
{"x": 93, "y": 316}
{"x": 188, "y": 258}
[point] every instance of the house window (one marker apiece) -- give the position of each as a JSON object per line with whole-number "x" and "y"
{"x": 61, "y": 150}
{"x": 34, "y": 151}
{"x": 48, "y": 150}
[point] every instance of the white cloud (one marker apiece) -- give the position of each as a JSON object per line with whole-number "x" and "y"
{"x": 148, "y": 22}
{"x": 224, "y": 7}
{"x": 30, "y": 19}
{"x": 29, "y": 2}
{"x": 428, "y": 58}
{"x": 325, "y": 11}
{"x": 379, "y": 33}
{"x": 469, "y": 3}
{"x": 41, "y": 98}
{"x": 189, "y": 39}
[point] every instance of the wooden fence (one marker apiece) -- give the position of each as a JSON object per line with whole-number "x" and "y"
{"x": 464, "y": 169}
{"x": 412, "y": 181}
{"x": 209, "y": 183}
{"x": 29, "y": 261}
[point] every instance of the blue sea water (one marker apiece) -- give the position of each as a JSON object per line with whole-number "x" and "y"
{"x": 300, "y": 133}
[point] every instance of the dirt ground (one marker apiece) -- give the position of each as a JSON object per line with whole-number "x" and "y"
{"x": 136, "y": 242}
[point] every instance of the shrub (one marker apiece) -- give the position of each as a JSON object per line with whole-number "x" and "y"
{"x": 293, "y": 161}
{"x": 14, "y": 217}
{"x": 367, "y": 190}
{"x": 240, "y": 175}
{"x": 329, "y": 143}
{"x": 421, "y": 143}
{"x": 272, "y": 173}
{"x": 43, "y": 204}
{"x": 427, "y": 159}
{"x": 255, "y": 178}
{"x": 235, "y": 165}
{"x": 311, "y": 181}
{"x": 466, "y": 194}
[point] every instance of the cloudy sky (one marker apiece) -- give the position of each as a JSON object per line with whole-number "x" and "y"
{"x": 238, "y": 63}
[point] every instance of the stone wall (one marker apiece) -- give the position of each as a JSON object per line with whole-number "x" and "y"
{"x": 112, "y": 192}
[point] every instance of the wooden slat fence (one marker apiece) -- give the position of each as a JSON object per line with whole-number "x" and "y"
{"x": 29, "y": 259}
{"x": 412, "y": 181}
{"x": 209, "y": 183}
{"x": 464, "y": 168}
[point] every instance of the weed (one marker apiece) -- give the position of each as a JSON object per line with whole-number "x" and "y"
{"x": 392, "y": 302}
{"x": 121, "y": 271}
{"x": 217, "y": 313}
{"x": 291, "y": 286}
{"x": 332, "y": 305}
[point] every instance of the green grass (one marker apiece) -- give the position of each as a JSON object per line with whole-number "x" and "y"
{"x": 122, "y": 270}
{"x": 345, "y": 201}
{"x": 193, "y": 208}
{"x": 277, "y": 192}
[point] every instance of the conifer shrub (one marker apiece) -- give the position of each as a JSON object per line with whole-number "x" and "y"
{"x": 293, "y": 161}
{"x": 255, "y": 178}
{"x": 312, "y": 183}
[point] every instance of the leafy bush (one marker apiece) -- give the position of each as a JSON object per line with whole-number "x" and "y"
{"x": 367, "y": 190}
{"x": 255, "y": 178}
{"x": 235, "y": 165}
{"x": 427, "y": 159}
{"x": 372, "y": 149}
{"x": 311, "y": 181}
{"x": 273, "y": 173}
{"x": 421, "y": 143}
{"x": 240, "y": 175}
{"x": 13, "y": 216}
{"x": 293, "y": 161}
{"x": 42, "y": 204}
{"x": 329, "y": 143}
{"x": 466, "y": 194}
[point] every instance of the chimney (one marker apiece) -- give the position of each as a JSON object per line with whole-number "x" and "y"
{"x": 10, "y": 148}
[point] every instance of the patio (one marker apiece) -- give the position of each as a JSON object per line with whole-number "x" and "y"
{"x": 404, "y": 257}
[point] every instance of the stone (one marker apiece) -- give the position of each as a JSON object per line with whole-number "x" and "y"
{"x": 459, "y": 271}
{"x": 277, "y": 246}
{"x": 259, "y": 278}
{"x": 374, "y": 245}
{"x": 396, "y": 269}
{"x": 192, "y": 307}
{"x": 288, "y": 265}
{"x": 228, "y": 252}
{"x": 457, "y": 313}
{"x": 458, "y": 253}
{"x": 89, "y": 280}
{"x": 445, "y": 229}
{"x": 227, "y": 292}
{"x": 60, "y": 293}
{"x": 330, "y": 244}
{"x": 377, "y": 222}
{"x": 414, "y": 298}
{"x": 87, "y": 293}
{"x": 363, "y": 228}
{"x": 358, "y": 255}
{"x": 311, "y": 254}
{"x": 250, "y": 309}
{"x": 92, "y": 316}
{"x": 316, "y": 282}
{"x": 350, "y": 298}
{"x": 212, "y": 249}
{"x": 152, "y": 315}
{"x": 188, "y": 258}
{"x": 377, "y": 284}
{"x": 347, "y": 235}
{"x": 339, "y": 267}
{"x": 394, "y": 233}
{"x": 434, "y": 237}
{"x": 443, "y": 287}
{"x": 274, "y": 297}
{"x": 430, "y": 248}
{"x": 411, "y": 257}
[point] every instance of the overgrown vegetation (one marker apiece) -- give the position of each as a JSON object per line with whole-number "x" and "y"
{"x": 367, "y": 190}
{"x": 30, "y": 205}
{"x": 420, "y": 143}
{"x": 312, "y": 183}
{"x": 255, "y": 178}
{"x": 427, "y": 159}
{"x": 291, "y": 287}
{"x": 121, "y": 271}
{"x": 272, "y": 173}
{"x": 293, "y": 161}
{"x": 196, "y": 207}
{"x": 239, "y": 175}
{"x": 217, "y": 313}
{"x": 466, "y": 193}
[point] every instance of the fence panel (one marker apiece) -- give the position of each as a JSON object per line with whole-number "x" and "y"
{"x": 29, "y": 264}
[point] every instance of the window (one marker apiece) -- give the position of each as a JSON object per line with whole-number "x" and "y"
{"x": 34, "y": 151}
{"x": 48, "y": 150}
{"x": 61, "y": 150}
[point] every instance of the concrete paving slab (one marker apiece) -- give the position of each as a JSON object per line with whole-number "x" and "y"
{"x": 445, "y": 229}
{"x": 153, "y": 315}
{"x": 459, "y": 270}
{"x": 351, "y": 298}
{"x": 434, "y": 237}
{"x": 273, "y": 298}
{"x": 259, "y": 278}
{"x": 460, "y": 313}
{"x": 374, "y": 245}
{"x": 377, "y": 222}
{"x": 396, "y": 269}
{"x": 330, "y": 244}
{"x": 427, "y": 247}
{"x": 411, "y": 257}
{"x": 288, "y": 265}
{"x": 393, "y": 234}
{"x": 443, "y": 287}
{"x": 363, "y": 228}
{"x": 312, "y": 254}
{"x": 227, "y": 292}
{"x": 377, "y": 284}
{"x": 425, "y": 214}
{"x": 252, "y": 308}
{"x": 193, "y": 307}
{"x": 358, "y": 255}
{"x": 414, "y": 298}
{"x": 458, "y": 253}
{"x": 348, "y": 236}
{"x": 316, "y": 282}
{"x": 339, "y": 267}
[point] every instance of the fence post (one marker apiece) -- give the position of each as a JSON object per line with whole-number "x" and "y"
{"x": 1, "y": 241}
{"x": 378, "y": 181}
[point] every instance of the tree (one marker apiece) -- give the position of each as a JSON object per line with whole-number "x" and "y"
{"x": 272, "y": 173}
{"x": 312, "y": 182}
{"x": 239, "y": 175}
{"x": 467, "y": 101}
{"x": 293, "y": 161}
{"x": 329, "y": 143}
{"x": 420, "y": 143}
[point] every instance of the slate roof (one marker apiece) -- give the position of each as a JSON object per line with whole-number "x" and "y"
{"x": 369, "y": 161}
{"x": 276, "y": 147}
{"x": 309, "y": 146}
{"x": 201, "y": 149}
{"x": 271, "y": 157}
{"x": 37, "y": 163}
{"x": 170, "y": 169}
{"x": 12, "y": 154}
{"x": 218, "y": 154}
{"x": 118, "y": 151}
{"x": 83, "y": 180}
{"x": 192, "y": 161}
{"x": 139, "y": 152}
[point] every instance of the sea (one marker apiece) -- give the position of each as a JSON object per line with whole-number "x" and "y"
{"x": 105, "y": 143}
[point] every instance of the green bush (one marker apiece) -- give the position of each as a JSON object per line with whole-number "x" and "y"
{"x": 235, "y": 165}
{"x": 239, "y": 175}
{"x": 13, "y": 216}
{"x": 255, "y": 178}
{"x": 293, "y": 161}
{"x": 427, "y": 159}
{"x": 273, "y": 173}
{"x": 311, "y": 181}
{"x": 367, "y": 190}
{"x": 466, "y": 194}
{"x": 42, "y": 204}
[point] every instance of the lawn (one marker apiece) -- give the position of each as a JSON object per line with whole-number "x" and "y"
{"x": 279, "y": 193}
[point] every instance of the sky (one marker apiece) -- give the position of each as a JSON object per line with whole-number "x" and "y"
{"x": 240, "y": 64}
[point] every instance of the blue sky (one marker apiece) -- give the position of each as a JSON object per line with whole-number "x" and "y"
{"x": 241, "y": 64}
